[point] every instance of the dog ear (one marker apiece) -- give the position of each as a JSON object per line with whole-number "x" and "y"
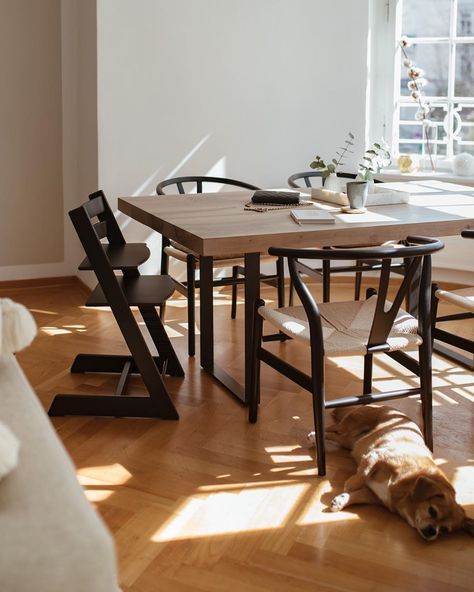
{"x": 425, "y": 488}
{"x": 468, "y": 525}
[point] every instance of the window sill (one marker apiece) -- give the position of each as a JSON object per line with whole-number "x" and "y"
{"x": 395, "y": 175}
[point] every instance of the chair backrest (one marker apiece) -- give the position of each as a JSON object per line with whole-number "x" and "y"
{"x": 108, "y": 227}
{"x": 306, "y": 177}
{"x": 197, "y": 184}
{"x": 416, "y": 252}
{"x": 91, "y": 233}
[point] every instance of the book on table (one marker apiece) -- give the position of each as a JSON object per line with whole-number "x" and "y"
{"x": 312, "y": 216}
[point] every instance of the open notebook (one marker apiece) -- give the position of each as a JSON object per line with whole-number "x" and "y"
{"x": 312, "y": 216}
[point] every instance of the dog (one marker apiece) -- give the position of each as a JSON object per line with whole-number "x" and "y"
{"x": 395, "y": 469}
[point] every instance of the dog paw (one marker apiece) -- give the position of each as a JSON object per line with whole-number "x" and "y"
{"x": 311, "y": 439}
{"x": 339, "y": 502}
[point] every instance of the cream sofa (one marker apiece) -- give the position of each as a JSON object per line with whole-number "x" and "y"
{"x": 52, "y": 540}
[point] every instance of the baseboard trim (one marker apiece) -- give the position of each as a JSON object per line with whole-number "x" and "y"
{"x": 38, "y": 283}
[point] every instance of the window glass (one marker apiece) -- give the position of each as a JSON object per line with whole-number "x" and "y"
{"x": 464, "y": 85}
{"x": 435, "y": 13}
{"x": 465, "y": 19}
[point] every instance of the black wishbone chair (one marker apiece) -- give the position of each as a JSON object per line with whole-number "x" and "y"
{"x": 463, "y": 299}
{"x": 305, "y": 179}
{"x": 120, "y": 292}
{"x": 184, "y": 185}
{"x": 353, "y": 328}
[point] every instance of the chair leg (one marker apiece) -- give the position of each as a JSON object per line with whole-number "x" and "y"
{"x": 169, "y": 362}
{"x": 368, "y": 366}
{"x": 291, "y": 293}
{"x": 233, "y": 311}
{"x": 191, "y": 287}
{"x": 425, "y": 353}
{"x": 164, "y": 270}
{"x": 326, "y": 280}
{"x": 257, "y": 330}
{"x": 317, "y": 377}
{"x": 358, "y": 281}
{"x": 280, "y": 270}
{"x": 434, "y": 310}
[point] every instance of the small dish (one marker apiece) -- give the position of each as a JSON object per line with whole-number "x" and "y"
{"x": 349, "y": 210}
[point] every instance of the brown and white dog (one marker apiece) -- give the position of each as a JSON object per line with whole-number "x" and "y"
{"x": 396, "y": 469}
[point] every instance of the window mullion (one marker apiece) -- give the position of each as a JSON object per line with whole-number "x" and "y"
{"x": 451, "y": 80}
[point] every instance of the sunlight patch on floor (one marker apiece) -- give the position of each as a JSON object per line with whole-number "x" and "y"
{"x": 223, "y": 513}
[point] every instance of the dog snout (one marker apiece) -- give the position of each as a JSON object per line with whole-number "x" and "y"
{"x": 429, "y": 532}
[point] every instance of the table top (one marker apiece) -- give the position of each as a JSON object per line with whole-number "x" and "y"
{"x": 214, "y": 224}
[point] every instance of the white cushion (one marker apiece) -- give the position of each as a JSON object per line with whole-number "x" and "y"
{"x": 52, "y": 538}
{"x": 346, "y": 326}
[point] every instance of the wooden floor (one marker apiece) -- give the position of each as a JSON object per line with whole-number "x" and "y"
{"x": 211, "y": 503}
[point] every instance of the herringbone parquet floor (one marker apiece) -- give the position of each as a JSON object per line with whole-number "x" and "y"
{"x": 211, "y": 503}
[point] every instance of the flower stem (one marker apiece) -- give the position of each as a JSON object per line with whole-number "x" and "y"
{"x": 425, "y": 127}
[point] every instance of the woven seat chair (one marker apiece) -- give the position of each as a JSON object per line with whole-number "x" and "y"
{"x": 352, "y": 328}
{"x": 305, "y": 179}
{"x": 194, "y": 184}
{"x": 463, "y": 299}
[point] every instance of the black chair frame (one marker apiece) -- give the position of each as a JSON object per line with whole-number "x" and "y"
{"x": 442, "y": 336}
{"x": 120, "y": 293}
{"x": 417, "y": 256}
{"x": 325, "y": 271}
{"x": 188, "y": 288}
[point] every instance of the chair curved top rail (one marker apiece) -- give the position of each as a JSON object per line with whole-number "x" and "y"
{"x": 417, "y": 246}
{"x": 306, "y": 176}
{"x": 199, "y": 180}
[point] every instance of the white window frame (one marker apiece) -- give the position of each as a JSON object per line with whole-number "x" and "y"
{"x": 384, "y": 65}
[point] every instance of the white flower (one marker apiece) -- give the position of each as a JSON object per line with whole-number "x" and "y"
{"x": 415, "y": 95}
{"x": 415, "y": 73}
{"x": 408, "y": 63}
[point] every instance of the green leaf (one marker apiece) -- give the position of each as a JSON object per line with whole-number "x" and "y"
{"x": 351, "y": 136}
{"x": 367, "y": 158}
{"x": 325, "y": 174}
{"x": 334, "y": 161}
{"x": 377, "y": 146}
{"x": 350, "y": 143}
{"x": 331, "y": 168}
{"x": 370, "y": 152}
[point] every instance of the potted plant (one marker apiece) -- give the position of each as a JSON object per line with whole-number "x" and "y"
{"x": 330, "y": 180}
{"x": 374, "y": 160}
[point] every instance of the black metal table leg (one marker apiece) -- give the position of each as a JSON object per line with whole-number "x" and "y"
{"x": 252, "y": 290}
{"x": 252, "y": 293}
{"x": 206, "y": 312}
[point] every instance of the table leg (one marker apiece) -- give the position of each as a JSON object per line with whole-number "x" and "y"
{"x": 206, "y": 313}
{"x": 252, "y": 293}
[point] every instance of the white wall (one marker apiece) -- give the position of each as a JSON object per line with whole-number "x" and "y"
{"x": 248, "y": 89}
{"x": 31, "y": 200}
{"x": 57, "y": 164}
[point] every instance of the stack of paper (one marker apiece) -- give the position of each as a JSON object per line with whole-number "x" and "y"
{"x": 312, "y": 216}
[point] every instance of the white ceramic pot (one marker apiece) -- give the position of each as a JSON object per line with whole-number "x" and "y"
{"x": 333, "y": 183}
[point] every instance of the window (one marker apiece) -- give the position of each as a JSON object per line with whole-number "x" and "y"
{"x": 441, "y": 35}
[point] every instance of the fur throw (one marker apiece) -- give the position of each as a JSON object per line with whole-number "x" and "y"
{"x": 17, "y": 331}
{"x": 17, "y": 327}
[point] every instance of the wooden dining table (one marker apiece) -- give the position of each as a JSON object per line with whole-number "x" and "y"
{"x": 217, "y": 224}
